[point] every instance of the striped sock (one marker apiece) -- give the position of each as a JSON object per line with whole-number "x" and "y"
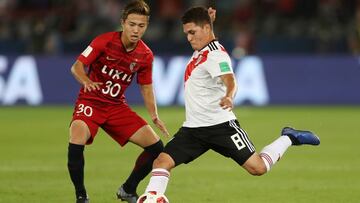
{"x": 158, "y": 181}
{"x": 274, "y": 151}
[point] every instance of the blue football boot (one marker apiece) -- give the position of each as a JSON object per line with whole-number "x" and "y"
{"x": 300, "y": 137}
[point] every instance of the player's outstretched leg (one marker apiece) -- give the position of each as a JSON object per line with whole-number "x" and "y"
{"x": 272, "y": 153}
{"x": 143, "y": 166}
{"x": 300, "y": 137}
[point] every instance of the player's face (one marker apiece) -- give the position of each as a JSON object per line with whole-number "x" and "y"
{"x": 198, "y": 36}
{"x": 134, "y": 27}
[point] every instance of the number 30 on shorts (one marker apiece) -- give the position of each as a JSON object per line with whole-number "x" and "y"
{"x": 86, "y": 110}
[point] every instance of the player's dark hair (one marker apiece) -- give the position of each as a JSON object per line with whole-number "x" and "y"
{"x": 198, "y": 15}
{"x": 136, "y": 7}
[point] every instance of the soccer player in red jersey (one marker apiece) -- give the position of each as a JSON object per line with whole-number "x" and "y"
{"x": 114, "y": 59}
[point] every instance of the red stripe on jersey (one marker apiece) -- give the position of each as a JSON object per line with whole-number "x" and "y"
{"x": 194, "y": 63}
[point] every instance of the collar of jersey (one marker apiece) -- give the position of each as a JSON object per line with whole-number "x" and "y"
{"x": 207, "y": 45}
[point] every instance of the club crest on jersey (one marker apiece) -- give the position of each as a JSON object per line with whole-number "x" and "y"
{"x": 132, "y": 66}
{"x": 198, "y": 59}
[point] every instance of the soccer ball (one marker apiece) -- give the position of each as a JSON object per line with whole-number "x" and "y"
{"x": 152, "y": 198}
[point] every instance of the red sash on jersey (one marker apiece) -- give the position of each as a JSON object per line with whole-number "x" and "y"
{"x": 194, "y": 63}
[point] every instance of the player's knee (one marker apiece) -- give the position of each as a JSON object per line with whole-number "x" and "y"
{"x": 257, "y": 171}
{"x": 155, "y": 149}
{"x": 79, "y": 132}
{"x": 164, "y": 161}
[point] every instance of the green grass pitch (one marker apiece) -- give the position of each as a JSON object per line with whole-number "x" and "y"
{"x": 33, "y": 156}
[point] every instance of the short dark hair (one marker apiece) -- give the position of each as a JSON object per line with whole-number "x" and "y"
{"x": 136, "y": 7}
{"x": 198, "y": 15}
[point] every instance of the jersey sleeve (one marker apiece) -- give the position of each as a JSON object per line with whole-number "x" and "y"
{"x": 144, "y": 75}
{"x": 96, "y": 47}
{"x": 218, "y": 63}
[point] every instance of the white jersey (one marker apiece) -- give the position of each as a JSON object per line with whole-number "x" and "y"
{"x": 204, "y": 88}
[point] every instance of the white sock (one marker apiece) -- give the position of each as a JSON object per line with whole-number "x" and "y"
{"x": 274, "y": 151}
{"x": 158, "y": 181}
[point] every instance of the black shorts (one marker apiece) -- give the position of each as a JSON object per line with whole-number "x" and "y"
{"x": 227, "y": 139}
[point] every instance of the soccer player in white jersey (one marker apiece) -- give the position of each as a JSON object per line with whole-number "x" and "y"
{"x": 210, "y": 87}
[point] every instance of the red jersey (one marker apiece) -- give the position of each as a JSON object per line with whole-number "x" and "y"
{"x": 111, "y": 64}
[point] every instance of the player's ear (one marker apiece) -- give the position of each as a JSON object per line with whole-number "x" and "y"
{"x": 122, "y": 22}
{"x": 207, "y": 28}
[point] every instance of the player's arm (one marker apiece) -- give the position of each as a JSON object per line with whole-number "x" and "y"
{"x": 147, "y": 92}
{"x": 212, "y": 14}
{"x": 230, "y": 83}
{"x": 78, "y": 71}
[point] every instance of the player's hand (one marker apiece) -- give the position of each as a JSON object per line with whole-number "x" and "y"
{"x": 227, "y": 103}
{"x": 161, "y": 125}
{"x": 90, "y": 85}
{"x": 212, "y": 14}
